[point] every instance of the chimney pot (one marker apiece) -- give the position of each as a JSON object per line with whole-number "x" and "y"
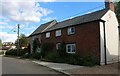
{"x": 109, "y": 5}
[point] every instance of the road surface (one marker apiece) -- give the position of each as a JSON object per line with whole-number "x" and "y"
{"x": 19, "y": 66}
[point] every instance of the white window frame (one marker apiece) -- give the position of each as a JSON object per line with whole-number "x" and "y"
{"x": 47, "y": 34}
{"x": 57, "y": 45}
{"x": 70, "y": 31}
{"x": 72, "y": 47}
{"x": 58, "y": 33}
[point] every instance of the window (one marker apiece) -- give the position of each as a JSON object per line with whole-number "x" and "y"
{"x": 71, "y": 30}
{"x": 58, "y": 32}
{"x": 33, "y": 38}
{"x": 47, "y": 34}
{"x": 58, "y": 46}
{"x": 70, "y": 48}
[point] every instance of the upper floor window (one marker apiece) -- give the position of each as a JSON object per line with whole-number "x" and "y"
{"x": 47, "y": 34}
{"x": 70, "y": 48}
{"x": 71, "y": 30}
{"x": 58, "y": 32}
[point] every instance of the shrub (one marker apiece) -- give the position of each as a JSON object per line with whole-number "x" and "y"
{"x": 2, "y": 52}
{"x": 73, "y": 59}
{"x": 36, "y": 44}
{"x": 15, "y": 52}
{"x": 21, "y": 52}
{"x": 88, "y": 60}
{"x": 36, "y": 55}
{"x": 50, "y": 56}
{"x": 12, "y": 52}
{"x": 54, "y": 57}
{"x": 27, "y": 55}
{"x": 45, "y": 48}
{"x": 62, "y": 50}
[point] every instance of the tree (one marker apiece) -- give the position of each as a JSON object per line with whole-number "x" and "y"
{"x": 117, "y": 10}
{"x": 36, "y": 45}
{"x": 23, "y": 42}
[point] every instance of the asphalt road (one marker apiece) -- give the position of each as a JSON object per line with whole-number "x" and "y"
{"x": 19, "y": 66}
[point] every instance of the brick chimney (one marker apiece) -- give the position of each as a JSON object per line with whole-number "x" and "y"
{"x": 109, "y": 5}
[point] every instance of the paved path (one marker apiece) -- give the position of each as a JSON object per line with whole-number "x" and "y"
{"x": 61, "y": 67}
{"x": 74, "y": 70}
{"x": 18, "y": 66}
{"x": 105, "y": 69}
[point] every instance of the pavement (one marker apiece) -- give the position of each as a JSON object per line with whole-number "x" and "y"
{"x": 61, "y": 67}
{"x": 73, "y": 70}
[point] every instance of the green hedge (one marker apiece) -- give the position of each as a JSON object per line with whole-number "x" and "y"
{"x": 15, "y": 52}
{"x": 2, "y": 52}
{"x": 12, "y": 52}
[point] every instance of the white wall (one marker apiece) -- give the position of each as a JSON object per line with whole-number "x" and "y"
{"x": 112, "y": 37}
{"x": 102, "y": 53}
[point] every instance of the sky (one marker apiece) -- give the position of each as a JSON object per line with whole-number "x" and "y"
{"x": 31, "y": 14}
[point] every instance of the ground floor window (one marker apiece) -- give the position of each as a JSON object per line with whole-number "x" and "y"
{"x": 70, "y": 48}
{"x": 58, "y": 46}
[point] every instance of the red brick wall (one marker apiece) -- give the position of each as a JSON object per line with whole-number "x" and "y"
{"x": 86, "y": 38}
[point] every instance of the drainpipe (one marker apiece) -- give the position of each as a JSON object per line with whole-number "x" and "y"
{"x": 119, "y": 41}
{"x": 105, "y": 54}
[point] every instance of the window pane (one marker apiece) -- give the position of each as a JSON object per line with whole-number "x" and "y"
{"x": 58, "y": 33}
{"x": 69, "y": 48}
{"x": 47, "y": 34}
{"x": 68, "y": 31}
{"x": 71, "y": 30}
{"x": 73, "y": 48}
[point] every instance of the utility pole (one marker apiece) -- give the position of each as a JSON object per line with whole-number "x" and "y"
{"x": 18, "y": 44}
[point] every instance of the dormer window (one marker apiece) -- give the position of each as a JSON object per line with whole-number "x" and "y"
{"x": 71, "y": 30}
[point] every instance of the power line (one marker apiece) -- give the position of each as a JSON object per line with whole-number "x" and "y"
{"x": 83, "y": 12}
{"x": 12, "y": 29}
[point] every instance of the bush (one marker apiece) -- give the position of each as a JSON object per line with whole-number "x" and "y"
{"x": 2, "y": 52}
{"x": 15, "y": 52}
{"x": 51, "y": 56}
{"x": 27, "y": 55}
{"x": 36, "y": 55}
{"x": 88, "y": 60}
{"x": 45, "y": 48}
{"x": 62, "y": 50}
{"x": 54, "y": 57}
{"x": 22, "y": 52}
{"x": 73, "y": 59}
{"x": 12, "y": 52}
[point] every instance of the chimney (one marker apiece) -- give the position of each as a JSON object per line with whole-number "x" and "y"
{"x": 109, "y": 5}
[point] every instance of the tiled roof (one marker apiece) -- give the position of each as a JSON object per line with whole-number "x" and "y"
{"x": 41, "y": 28}
{"x": 80, "y": 19}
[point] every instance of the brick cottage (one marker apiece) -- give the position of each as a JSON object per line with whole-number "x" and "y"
{"x": 94, "y": 33}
